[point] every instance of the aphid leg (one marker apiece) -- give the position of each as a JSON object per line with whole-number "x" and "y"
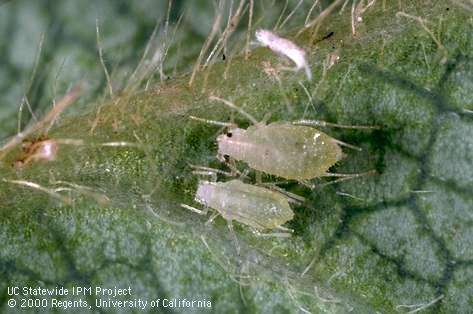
{"x": 296, "y": 69}
{"x": 202, "y": 212}
{"x": 290, "y": 69}
{"x": 322, "y": 123}
{"x": 233, "y": 235}
{"x": 306, "y": 183}
{"x": 265, "y": 119}
{"x": 244, "y": 174}
{"x": 231, "y": 164}
{"x": 236, "y": 108}
{"x": 258, "y": 177}
{"x": 212, "y": 218}
{"x": 344, "y": 176}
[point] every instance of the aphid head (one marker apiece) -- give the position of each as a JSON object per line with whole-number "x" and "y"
{"x": 227, "y": 140}
{"x": 264, "y": 36}
{"x": 205, "y": 192}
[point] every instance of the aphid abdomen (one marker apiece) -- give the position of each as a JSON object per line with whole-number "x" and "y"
{"x": 254, "y": 206}
{"x": 292, "y": 152}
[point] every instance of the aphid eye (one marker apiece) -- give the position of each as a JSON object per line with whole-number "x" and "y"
{"x": 229, "y": 134}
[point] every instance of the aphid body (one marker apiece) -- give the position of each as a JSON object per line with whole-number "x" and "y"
{"x": 257, "y": 207}
{"x": 40, "y": 149}
{"x": 286, "y": 48}
{"x": 290, "y": 151}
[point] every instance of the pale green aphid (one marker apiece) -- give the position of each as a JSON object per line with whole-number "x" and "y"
{"x": 257, "y": 207}
{"x": 291, "y": 150}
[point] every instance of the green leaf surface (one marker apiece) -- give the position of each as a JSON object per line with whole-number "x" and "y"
{"x": 397, "y": 241}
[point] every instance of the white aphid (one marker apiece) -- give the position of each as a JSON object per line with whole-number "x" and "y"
{"x": 286, "y": 48}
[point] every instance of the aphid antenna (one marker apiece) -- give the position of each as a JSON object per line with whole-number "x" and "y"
{"x": 213, "y": 122}
{"x": 323, "y": 123}
{"x": 236, "y": 108}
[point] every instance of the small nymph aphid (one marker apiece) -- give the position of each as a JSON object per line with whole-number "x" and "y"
{"x": 286, "y": 48}
{"x": 39, "y": 149}
{"x": 257, "y": 207}
{"x": 291, "y": 150}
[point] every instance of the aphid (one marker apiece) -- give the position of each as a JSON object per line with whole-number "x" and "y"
{"x": 41, "y": 148}
{"x": 286, "y": 48}
{"x": 291, "y": 150}
{"x": 259, "y": 208}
